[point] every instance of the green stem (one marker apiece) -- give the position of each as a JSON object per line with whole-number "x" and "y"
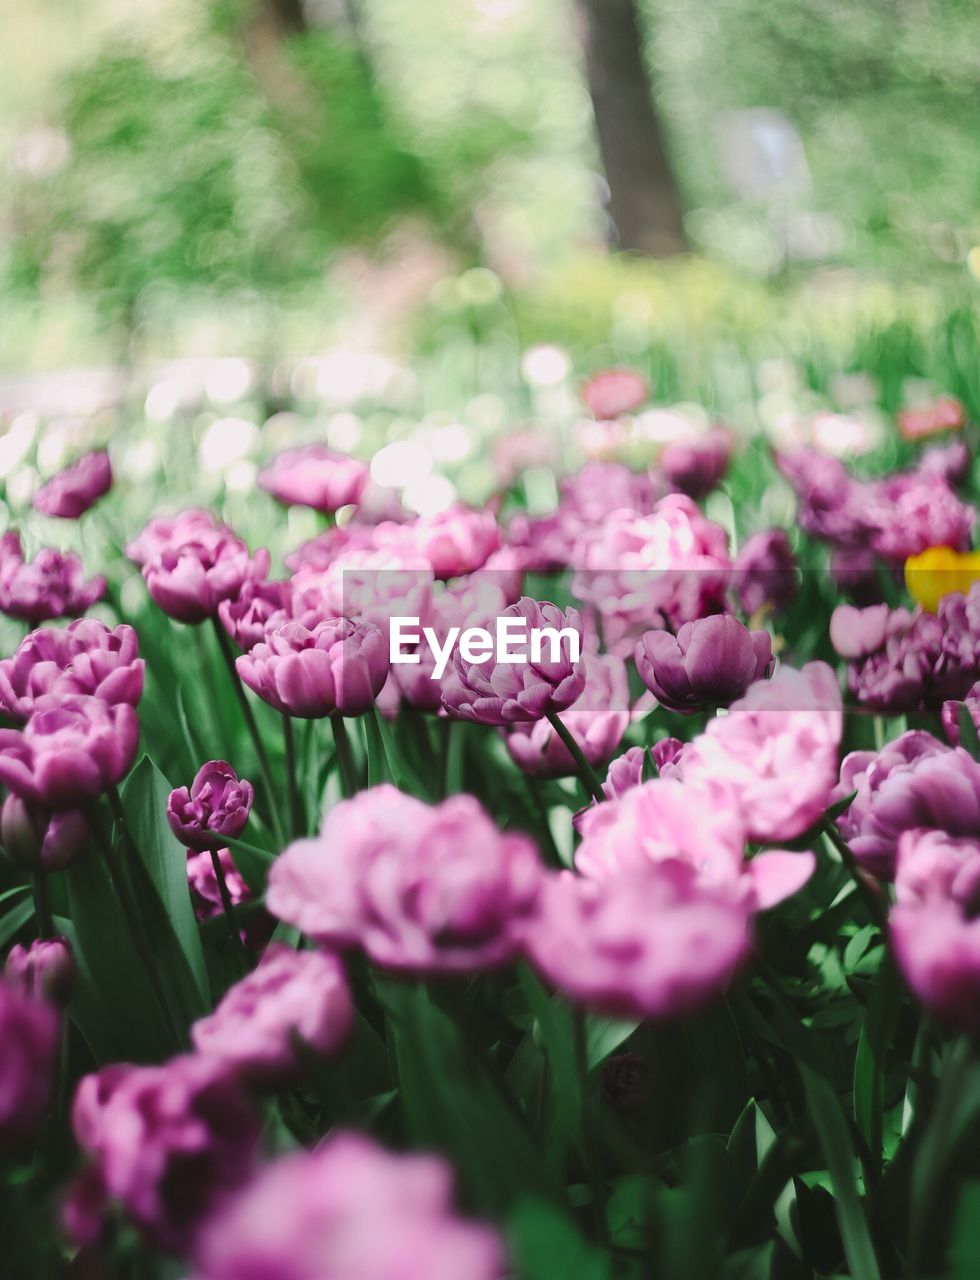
{"x": 591, "y": 1153}
{"x": 292, "y": 780}
{"x": 451, "y": 763}
{"x": 938, "y": 1146}
{"x": 585, "y": 770}
{"x": 348, "y": 773}
{"x": 42, "y": 906}
{"x": 228, "y": 908}
{"x": 552, "y": 856}
{"x": 224, "y": 644}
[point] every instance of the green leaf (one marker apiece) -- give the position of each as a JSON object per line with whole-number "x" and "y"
{"x": 252, "y": 862}
{"x": 834, "y": 811}
{"x": 160, "y": 881}
{"x": 547, "y": 1246}
{"x": 101, "y": 936}
{"x": 377, "y": 758}
{"x": 835, "y": 1142}
{"x": 554, "y": 1018}
{"x": 880, "y": 1021}
{"x": 15, "y": 919}
{"x": 968, "y": 731}
{"x": 452, "y": 1102}
{"x": 965, "y": 1249}
{"x": 603, "y": 1036}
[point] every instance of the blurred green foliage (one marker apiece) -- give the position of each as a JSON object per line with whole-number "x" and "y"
{"x": 164, "y": 162}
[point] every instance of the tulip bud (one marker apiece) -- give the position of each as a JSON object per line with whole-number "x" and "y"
{"x": 38, "y": 839}
{"x": 71, "y": 492}
{"x": 214, "y": 810}
{"x": 695, "y": 467}
{"x": 44, "y": 970}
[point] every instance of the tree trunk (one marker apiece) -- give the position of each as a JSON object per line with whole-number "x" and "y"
{"x": 287, "y": 14}
{"x": 644, "y": 202}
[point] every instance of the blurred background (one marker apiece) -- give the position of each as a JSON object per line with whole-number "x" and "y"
{"x": 458, "y": 207}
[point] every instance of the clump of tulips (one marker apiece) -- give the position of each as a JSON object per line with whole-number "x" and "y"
{"x": 656, "y": 952}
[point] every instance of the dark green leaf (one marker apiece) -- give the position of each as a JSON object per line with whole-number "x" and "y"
{"x": 968, "y": 731}
{"x": 103, "y": 940}
{"x": 15, "y": 919}
{"x": 838, "y": 1149}
{"x": 160, "y": 881}
{"x": 546, "y": 1245}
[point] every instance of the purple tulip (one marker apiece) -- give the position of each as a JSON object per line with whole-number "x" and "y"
{"x": 38, "y": 839}
{"x": 655, "y": 942}
{"x": 456, "y": 541}
{"x": 188, "y": 581}
{"x": 766, "y": 572}
{"x": 515, "y": 692}
{"x": 339, "y": 667}
{"x": 474, "y": 602}
{"x": 44, "y": 970}
{"x": 52, "y": 585}
{"x": 696, "y": 466}
{"x": 291, "y": 994}
{"x": 950, "y": 461}
{"x": 70, "y": 751}
{"x": 626, "y": 771}
{"x": 597, "y": 722}
{"x": 662, "y": 760}
{"x": 204, "y": 888}
{"x": 71, "y": 492}
{"x": 637, "y": 571}
{"x": 166, "y": 1142}
{"x": 854, "y": 571}
{"x": 317, "y": 555}
{"x": 832, "y": 505}
{"x": 894, "y": 656}
{"x": 774, "y": 756}
{"x": 29, "y": 1035}
{"x": 214, "y": 810}
{"x": 934, "y": 927}
{"x": 258, "y": 607}
{"x": 348, "y": 1210}
{"x": 422, "y": 889}
{"x": 314, "y": 476}
{"x": 610, "y": 393}
{"x": 164, "y": 533}
{"x": 710, "y": 662}
{"x": 959, "y": 624}
{"x": 909, "y": 513}
{"x": 914, "y": 782}
{"x": 86, "y": 657}
{"x": 670, "y": 821}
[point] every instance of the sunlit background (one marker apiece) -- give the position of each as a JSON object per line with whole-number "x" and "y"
{"x": 393, "y": 220}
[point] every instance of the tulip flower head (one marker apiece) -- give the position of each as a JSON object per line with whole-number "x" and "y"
{"x": 214, "y": 810}
{"x": 71, "y": 492}
{"x": 290, "y": 994}
{"x": 337, "y": 668}
{"x": 710, "y": 662}
{"x": 87, "y": 657}
{"x": 348, "y": 1209}
{"x": 71, "y": 750}
{"x": 315, "y": 476}
{"x": 52, "y": 585}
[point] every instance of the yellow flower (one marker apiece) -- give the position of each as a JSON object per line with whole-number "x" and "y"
{"x": 938, "y": 572}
